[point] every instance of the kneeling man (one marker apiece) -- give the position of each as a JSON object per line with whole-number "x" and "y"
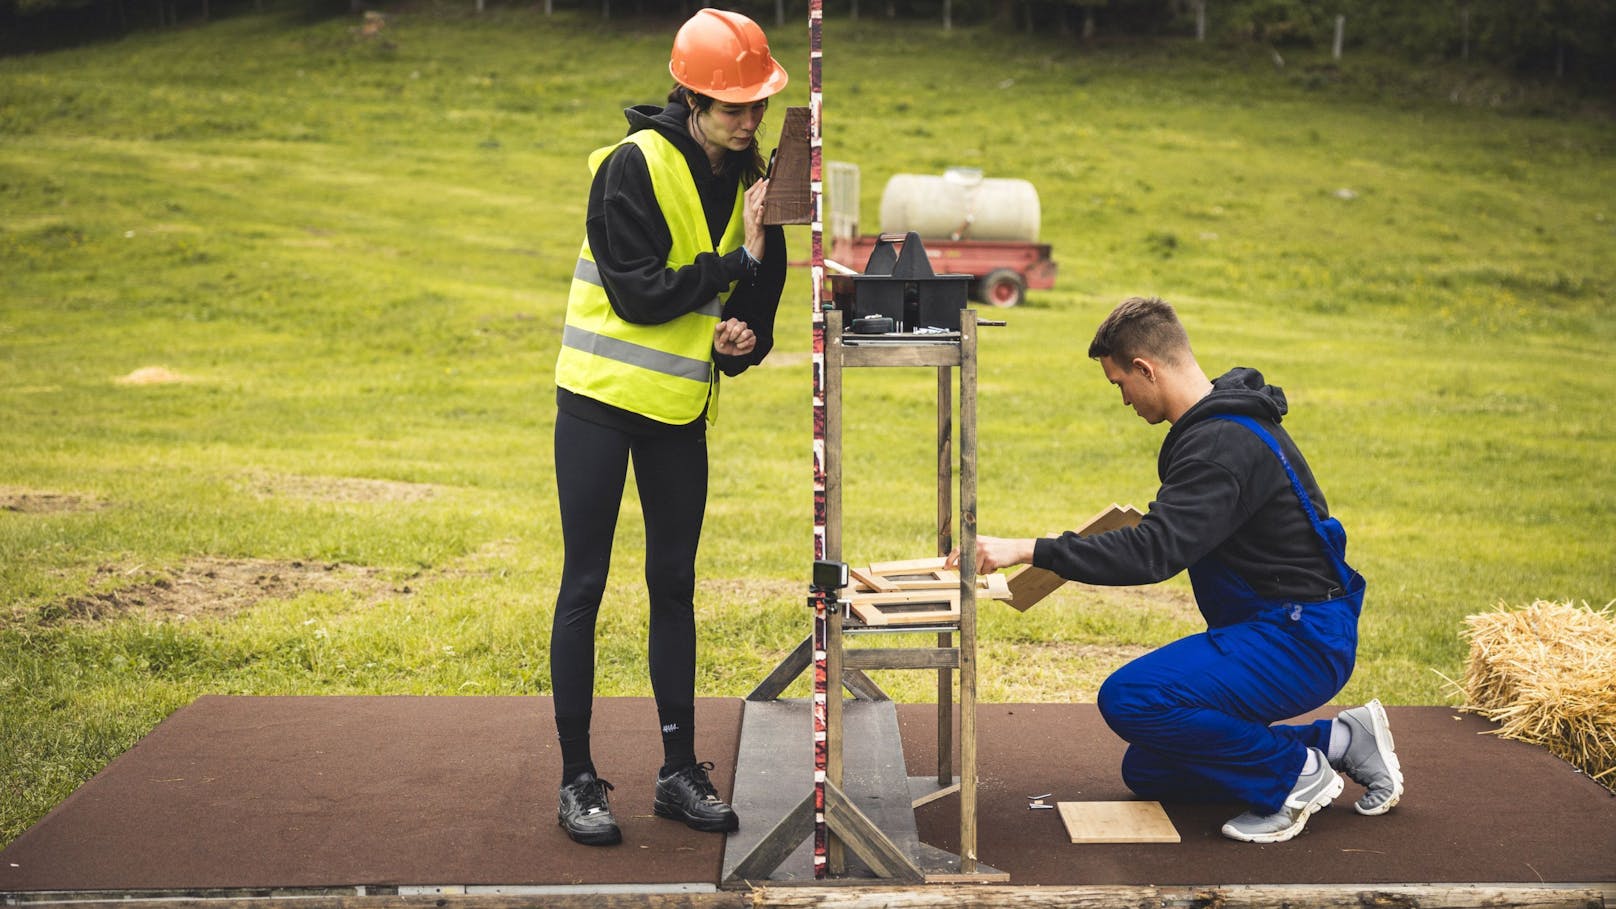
{"x": 1239, "y": 508}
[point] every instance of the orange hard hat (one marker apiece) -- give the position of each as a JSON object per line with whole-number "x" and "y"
{"x": 725, "y": 56}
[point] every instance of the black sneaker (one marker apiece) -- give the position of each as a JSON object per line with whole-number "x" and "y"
{"x": 584, "y": 813}
{"x": 687, "y": 794}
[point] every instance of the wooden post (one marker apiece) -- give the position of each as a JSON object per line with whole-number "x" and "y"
{"x": 967, "y": 571}
{"x": 835, "y": 855}
{"x": 945, "y": 545}
{"x": 1340, "y": 32}
{"x": 1200, "y": 20}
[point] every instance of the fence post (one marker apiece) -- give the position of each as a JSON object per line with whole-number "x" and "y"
{"x": 1340, "y": 30}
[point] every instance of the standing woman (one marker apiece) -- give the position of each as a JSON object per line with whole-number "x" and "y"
{"x": 677, "y": 280}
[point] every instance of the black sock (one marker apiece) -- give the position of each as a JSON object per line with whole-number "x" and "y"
{"x": 573, "y": 733}
{"x": 678, "y": 737}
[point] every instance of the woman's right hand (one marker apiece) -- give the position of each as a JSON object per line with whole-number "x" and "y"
{"x": 752, "y": 218}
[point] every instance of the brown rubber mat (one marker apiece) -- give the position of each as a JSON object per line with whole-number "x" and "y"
{"x": 242, "y": 792}
{"x": 1477, "y": 809}
{"x": 287, "y": 792}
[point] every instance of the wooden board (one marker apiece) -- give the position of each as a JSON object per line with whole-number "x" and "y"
{"x": 1117, "y": 822}
{"x": 788, "y": 201}
{"x": 907, "y": 607}
{"x": 1032, "y": 584}
{"x": 910, "y": 566}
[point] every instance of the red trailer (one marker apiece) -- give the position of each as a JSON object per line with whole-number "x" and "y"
{"x": 1003, "y": 269}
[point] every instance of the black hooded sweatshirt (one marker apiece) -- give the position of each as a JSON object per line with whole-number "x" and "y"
{"x": 629, "y": 238}
{"x": 1223, "y": 493}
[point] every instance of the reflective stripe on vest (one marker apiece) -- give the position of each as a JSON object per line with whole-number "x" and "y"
{"x": 662, "y": 371}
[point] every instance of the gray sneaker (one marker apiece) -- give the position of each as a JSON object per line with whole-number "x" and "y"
{"x": 1371, "y": 760}
{"x": 1311, "y": 792}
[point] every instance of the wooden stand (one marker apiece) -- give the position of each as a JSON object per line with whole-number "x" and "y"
{"x": 888, "y": 855}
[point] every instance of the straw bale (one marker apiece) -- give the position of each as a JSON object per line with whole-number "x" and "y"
{"x": 1546, "y": 673}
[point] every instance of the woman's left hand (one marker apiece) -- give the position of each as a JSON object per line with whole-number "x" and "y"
{"x": 732, "y": 338}
{"x": 752, "y": 218}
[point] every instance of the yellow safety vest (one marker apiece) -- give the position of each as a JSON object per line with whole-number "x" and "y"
{"x": 662, "y": 371}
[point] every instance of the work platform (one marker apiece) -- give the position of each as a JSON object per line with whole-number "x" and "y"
{"x": 367, "y": 796}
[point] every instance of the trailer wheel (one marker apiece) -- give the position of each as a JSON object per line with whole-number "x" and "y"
{"x": 1003, "y": 287}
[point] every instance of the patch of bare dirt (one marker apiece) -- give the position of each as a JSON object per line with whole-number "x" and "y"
{"x": 153, "y": 375}
{"x": 339, "y": 489}
{"x": 30, "y": 501}
{"x": 211, "y": 587}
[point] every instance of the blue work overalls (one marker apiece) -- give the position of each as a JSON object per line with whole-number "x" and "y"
{"x": 1197, "y": 713}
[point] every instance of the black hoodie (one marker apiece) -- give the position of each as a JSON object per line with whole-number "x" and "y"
{"x": 1223, "y": 493}
{"x": 629, "y": 238}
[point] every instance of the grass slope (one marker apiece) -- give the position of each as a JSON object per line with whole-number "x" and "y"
{"x": 356, "y": 252}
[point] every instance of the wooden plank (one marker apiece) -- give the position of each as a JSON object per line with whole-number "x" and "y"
{"x": 925, "y": 580}
{"x": 1032, "y": 584}
{"x": 944, "y": 595}
{"x": 862, "y": 686}
{"x": 967, "y": 570}
{"x": 835, "y": 856}
{"x": 1117, "y": 822}
{"x": 774, "y": 770}
{"x": 901, "y": 658}
{"x": 923, "y": 790}
{"x": 910, "y": 566}
{"x": 906, "y": 607}
{"x": 776, "y": 845}
{"x": 868, "y": 841}
{"x": 898, "y": 354}
{"x": 788, "y": 201}
{"x": 869, "y": 579}
{"x": 773, "y": 776}
{"x": 939, "y": 892}
{"x": 1325, "y": 896}
{"x": 876, "y": 617}
{"x": 784, "y": 674}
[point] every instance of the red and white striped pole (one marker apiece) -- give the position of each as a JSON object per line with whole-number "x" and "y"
{"x": 816, "y": 19}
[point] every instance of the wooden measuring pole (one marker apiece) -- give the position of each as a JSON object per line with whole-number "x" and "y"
{"x": 827, "y": 542}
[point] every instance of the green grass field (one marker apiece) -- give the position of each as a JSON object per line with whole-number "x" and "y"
{"x": 353, "y": 253}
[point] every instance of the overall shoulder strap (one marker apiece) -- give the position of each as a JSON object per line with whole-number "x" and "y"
{"x": 1296, "y": 482}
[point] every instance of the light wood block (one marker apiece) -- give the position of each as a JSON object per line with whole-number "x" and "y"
{"x": 1117, "y": 822}
{"x": 1032, "y": 584}
{"x": 910, "y": 566}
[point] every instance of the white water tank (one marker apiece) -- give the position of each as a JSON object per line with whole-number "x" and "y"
{"x": 960, "y": 205}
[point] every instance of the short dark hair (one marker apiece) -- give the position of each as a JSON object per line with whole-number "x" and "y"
{"x": 1141, "y": 327}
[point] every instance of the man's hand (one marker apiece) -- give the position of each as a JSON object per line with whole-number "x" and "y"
{"x": 993, "y": 553}
{"x": 732, "y": 338}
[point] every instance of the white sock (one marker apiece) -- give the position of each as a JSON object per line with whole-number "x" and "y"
{"x": 1312, "y": 765}
{"x": 1340, "y": 738}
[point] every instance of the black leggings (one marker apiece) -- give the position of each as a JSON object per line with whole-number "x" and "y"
{"x": 670, "y": 470}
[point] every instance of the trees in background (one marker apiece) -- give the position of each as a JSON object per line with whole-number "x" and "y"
{"x": 1573, "y": 39}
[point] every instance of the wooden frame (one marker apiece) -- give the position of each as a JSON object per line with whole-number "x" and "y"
{"x": 898, "y": 586}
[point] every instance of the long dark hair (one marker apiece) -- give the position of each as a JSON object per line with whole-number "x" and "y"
{"x": 747, "y": 163}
